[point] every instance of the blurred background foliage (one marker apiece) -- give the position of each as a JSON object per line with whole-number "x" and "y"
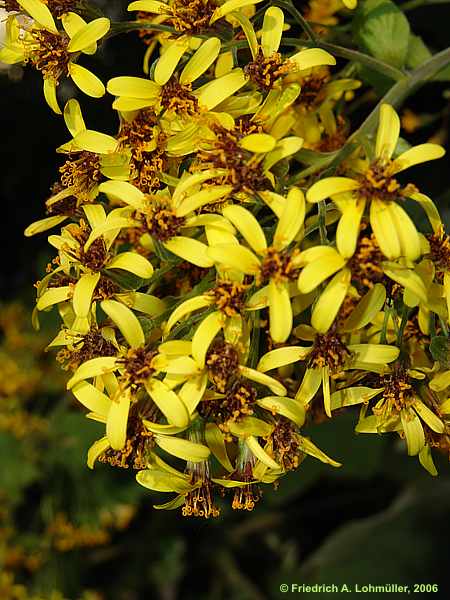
{"x": 69, "y": 534}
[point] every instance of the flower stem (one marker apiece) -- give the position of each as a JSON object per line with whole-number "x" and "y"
{"x": 412, "y": 4}
{"x": 298, "y": 17}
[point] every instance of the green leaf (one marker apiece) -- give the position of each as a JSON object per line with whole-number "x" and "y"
{"x": 383, "y": 31}
{"x": 440, "y": 350}
{"x": 418, "y": 52}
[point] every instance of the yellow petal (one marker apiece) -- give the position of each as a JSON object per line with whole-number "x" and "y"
{"x": 215, "y": 92}
{"x": 124, "y": 104}
{"x": 124, "y": 191}
{"x": 50, "y": 95}
{"x": 287, "y": 407}
{"x": 117, "y": 419}
{"x": 150, "y": 6}
{"x": 309, "y": 448}
{"x": 374, "y": 353}
{"x": 73, "y": 117}
{"x": 133, "y": 262}
{"x": 186, "y": 308}
{"x": 126, "y": 321}
{"x": 82, "y": 301}
{"x": 192, "y": 392}
{"x": 53, "y": 296}
{"x": 97, "y": 448}
{"x": 348, "y": 228}
{"x": 258, "y": 142}
{"x": 291, "y": 219}
{"x": 440, "y": 382}
{"x": 236, "y": 257}
{"x": 250, "y": 426}
{"x": 88, "y": 83}
{"x": 311, "y": 383}
{"x": 216, "y": 443}
{"x": 407, "y": 233}
{"x": 168, "y": 403}
{"x": 417, "y": 155}
{"x": 184, "y": 449}
{"x": 330, "y": 186}
{"x": 280, "y": 312}
{"x": 192, "y": 181}
{"x": 275, "y": 386}
{"x": 312, "y": 57}
{"x": 366, "y": 309}
{"x": 168, "y": 62}
{"x": 409, "y": 279}
{"x": 40, "y": 13}
{"x": 272, "y": 30}
{"x": 160, "y": 481}
{"x": 249, "y": 32}
{"x": 94, "y": 141}
{"x": 330, "y": 301}
{"x": 257, "y": 450}
{"x": 89, "y": 34}
{"x": 92, "y": 368}
{"x": 248, "y": 226}
{"x": 43, "y": 225}
{"x": 316, "y": 272}
{"x": 230, "y": 6}
{"x": 200, "y": 62}
{"x": 282, "y": 356}
{"x": 92, "y": 398}
{"x": 384, "y": 228}
{"x": 352, "y": 396}
{"x": 191, "y": 250}
{"x": 430, "y": 209}
{"x": 426, "y": 460}
{"x": 428, "y": 416}
{"x": 415, "y": 437}
{"x": 199, "y": 199}
{"x": 204, "y": 335}
{"x": 284, "y": 148}
{"x": 133, "y": 87}
{"x": 388, "y": 132}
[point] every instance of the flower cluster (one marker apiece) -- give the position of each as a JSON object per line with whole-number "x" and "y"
{"x": 215, "y": 300}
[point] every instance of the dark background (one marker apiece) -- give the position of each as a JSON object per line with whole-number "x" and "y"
{"x": 379, "y": 519}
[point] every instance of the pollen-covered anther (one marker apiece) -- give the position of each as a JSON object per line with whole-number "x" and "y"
{"x": 82, "y": 172}
{"x": 200, "y": 502}
{"x": 328, "y": 351}
{"x": 93, "y": 345}
{"x": 378, "y": 183}
{"x": 265, "y": 71}
{"x": 440, "y": 250}
{"x": 397, "y": 393}
{"x": 161, "y": 221}
{"x": 48, "y": 53}
{"x": 138, "y": 365}
{"x": 311, "y": 88}
{"x": 192, "y": 15}
{"x": 285, "y": 444}
{"x": 178, "y": 98}
{"x": 222, "y": 362}
{"x": 365, "y": 263}
{"x": 229, "y": 297}
{"x": 138, "y": 441}
{"x": 278, "y": 266}
{"x": 95, "y": 256}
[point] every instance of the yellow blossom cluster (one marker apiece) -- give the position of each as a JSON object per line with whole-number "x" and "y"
{"x": 214, "y": 299}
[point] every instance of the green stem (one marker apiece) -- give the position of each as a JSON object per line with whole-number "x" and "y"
{"x": 322, "y": 209}
{"x": 412, "y": 4}
{"x": 387, "y": 314}
{"x": 401, "y": 329}
{"x": 126, "y": 26}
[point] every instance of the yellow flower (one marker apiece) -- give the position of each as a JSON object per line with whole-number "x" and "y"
{"x": 405, "y": 408}
{"x": 55, "y": 53}
{"x": 268, "y": 66}
{"x": 164, "y": 215}
{"x": 375, "y": 185}
{"x": 328, "y": 356}
{"x": 272, "y": 265}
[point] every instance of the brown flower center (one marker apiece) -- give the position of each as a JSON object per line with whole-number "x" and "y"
{"x": 138, "y": 365}
{"x": 48, "y": 53}
{"x": 328, "y": 351}
{"x": 278, "y": 266}
{"x": 229, "y": 297}
{"x": 265, "y": 71}
{"x": 222, "y": 362}
{"x": 178, "y": 98}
